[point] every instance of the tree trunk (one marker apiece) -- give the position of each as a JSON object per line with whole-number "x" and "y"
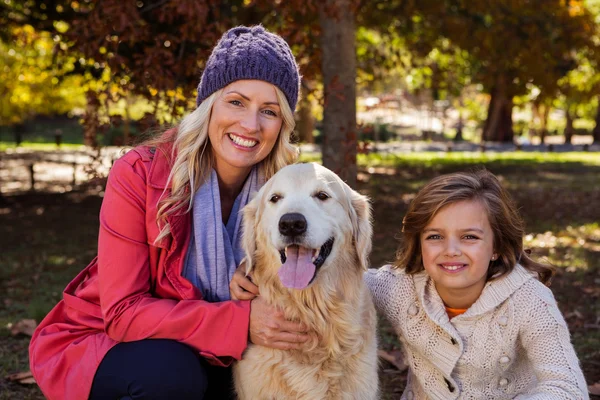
{"x": 91, "y": 122}
{"x": 339, "y": 81}
{"x": 544, "y": 124}
{"x": 596, "y": 131}
{"x": 498, "y": 125}
{"x": 306, "y": 122}
{"x": 127, "y": 122}
{"x": 569, "y": 130}
{"x": 459, "y": 128}
{"x": 535, "y": 117}
{"x": 18, "y": 130}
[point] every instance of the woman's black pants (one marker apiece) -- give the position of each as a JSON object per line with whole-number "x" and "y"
{"x": 157, "y": 369}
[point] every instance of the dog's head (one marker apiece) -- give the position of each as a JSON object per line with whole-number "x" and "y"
{"x": 304, "y": 217}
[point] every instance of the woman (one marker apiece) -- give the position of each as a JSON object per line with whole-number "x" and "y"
{"x": 151, "y": 317}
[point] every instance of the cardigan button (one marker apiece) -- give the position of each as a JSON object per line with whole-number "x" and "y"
{"x": 503, "y": 382}
{"x": 410, "y": 395}
{"x": 453, "y": 340}
{"x": 504, "y": 360}
{"x": 413, "y": 309}
{"x": 503, "y": 320}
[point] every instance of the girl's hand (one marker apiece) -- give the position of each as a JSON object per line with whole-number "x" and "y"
{"x": 241, "y": 287}
{"x": 269, "y": 328}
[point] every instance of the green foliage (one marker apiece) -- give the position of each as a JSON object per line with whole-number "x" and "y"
{"x": 150, "y": 48}
{"x": 580, "y": 87}
{"x": 446, "y": 70}
{"x": 30, "y": 82}
{"x": 382, "y": 61}
{"x": 507, "y": 46}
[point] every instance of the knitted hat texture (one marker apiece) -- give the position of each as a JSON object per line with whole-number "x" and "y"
{"x": 251, "y": 53}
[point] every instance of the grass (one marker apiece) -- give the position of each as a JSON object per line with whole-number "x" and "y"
{"x": 439, "y": 160}
{"x": 48, "y": 238}
{"x": 4, "y": 146}
{"x": 40, "y": 134}
{"x": 44, "y": 131}
{"x": 463, "y": 159}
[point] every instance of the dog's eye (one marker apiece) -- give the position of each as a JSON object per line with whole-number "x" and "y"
{"x": 322, "y": 196}
{"x": 275, "y": 198}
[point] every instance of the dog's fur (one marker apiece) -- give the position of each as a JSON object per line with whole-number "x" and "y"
{"x": 341, "y": 362}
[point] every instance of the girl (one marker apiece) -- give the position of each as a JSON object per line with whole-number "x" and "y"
{"x": 470, "y": 307}
{"x": 151, "y": 317}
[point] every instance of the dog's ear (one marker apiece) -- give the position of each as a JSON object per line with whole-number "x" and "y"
{"x": 362, "y": 226}
{"x": 249, "y": 232}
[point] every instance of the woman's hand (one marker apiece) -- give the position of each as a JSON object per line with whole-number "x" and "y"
{"x": 269, "y": 328}
{"x": 241, "y": 287}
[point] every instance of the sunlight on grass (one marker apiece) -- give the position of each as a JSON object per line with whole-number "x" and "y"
{"x": 60, "y": 260}
{"x": 311, "y": 157}
{"x": 428, "y": 159}
{"x": 462, "y": 158}
{"x": 572, "y": 248}
{"x": 40, "y": 146}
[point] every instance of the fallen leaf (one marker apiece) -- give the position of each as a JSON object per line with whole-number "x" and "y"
{"x": 594, "y": 389}
{"x": 576, "y": 313}
{"x": 394, "y": 357}
{"x": 593, "y": 291}
{"x": 24, "y": 378}
{"x": 12, "y": 282}
{"x": 24, "y": 326}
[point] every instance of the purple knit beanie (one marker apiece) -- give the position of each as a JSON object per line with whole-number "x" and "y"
{"x": 251, "y": 53}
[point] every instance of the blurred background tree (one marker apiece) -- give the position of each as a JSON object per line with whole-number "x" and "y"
{"x": 511, "y": 44}
{"x": 448, "y": 59}
{"x": 31, "y": 83}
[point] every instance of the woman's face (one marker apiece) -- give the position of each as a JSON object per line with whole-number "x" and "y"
{"x": 244, "y": 124}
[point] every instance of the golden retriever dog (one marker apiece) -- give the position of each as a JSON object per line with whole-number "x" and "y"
{"x": 307, "y": 237}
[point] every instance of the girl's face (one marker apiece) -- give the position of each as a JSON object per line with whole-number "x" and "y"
{"x": 457, "y": 246}
{"x": 244, "y": 124}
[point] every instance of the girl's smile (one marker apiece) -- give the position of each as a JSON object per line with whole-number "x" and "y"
{"x": 457, "y": 246}
{"x": 453, "y": 267}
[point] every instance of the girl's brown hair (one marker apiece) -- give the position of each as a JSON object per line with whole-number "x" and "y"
{"x": 507, "y": 225}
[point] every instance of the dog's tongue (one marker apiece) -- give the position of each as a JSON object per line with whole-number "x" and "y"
{"x": 298, "y": 270}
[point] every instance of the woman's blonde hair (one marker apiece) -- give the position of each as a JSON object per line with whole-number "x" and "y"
{"x": 192, "y": 156}
{"x": 507, "y": 225}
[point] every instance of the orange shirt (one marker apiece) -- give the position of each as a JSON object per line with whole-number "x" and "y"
{"x": 453, "y": 312}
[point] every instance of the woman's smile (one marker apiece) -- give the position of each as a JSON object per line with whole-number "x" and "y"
{"x": 242, "y": 142}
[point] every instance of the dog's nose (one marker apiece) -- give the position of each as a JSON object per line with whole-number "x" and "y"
{"x": 292, "y": 224}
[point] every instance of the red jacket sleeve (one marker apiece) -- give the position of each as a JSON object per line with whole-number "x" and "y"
{"x": 130, "y": 311}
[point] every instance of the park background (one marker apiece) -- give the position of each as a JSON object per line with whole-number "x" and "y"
{"x": 394, "y": 93}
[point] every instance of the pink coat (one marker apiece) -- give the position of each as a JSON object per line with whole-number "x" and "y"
{"x": 133, "y": 290}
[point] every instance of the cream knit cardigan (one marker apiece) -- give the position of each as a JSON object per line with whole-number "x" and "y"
{"x": 512, "y": 343}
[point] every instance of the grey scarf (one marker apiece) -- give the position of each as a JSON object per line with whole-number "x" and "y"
{"x": 215, "y": 248}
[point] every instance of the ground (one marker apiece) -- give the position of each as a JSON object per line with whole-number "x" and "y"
{"x": 48, "y": 238}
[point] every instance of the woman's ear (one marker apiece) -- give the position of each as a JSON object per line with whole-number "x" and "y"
{"x": 363, "y": 228}
{"x": 249, "y": 232}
